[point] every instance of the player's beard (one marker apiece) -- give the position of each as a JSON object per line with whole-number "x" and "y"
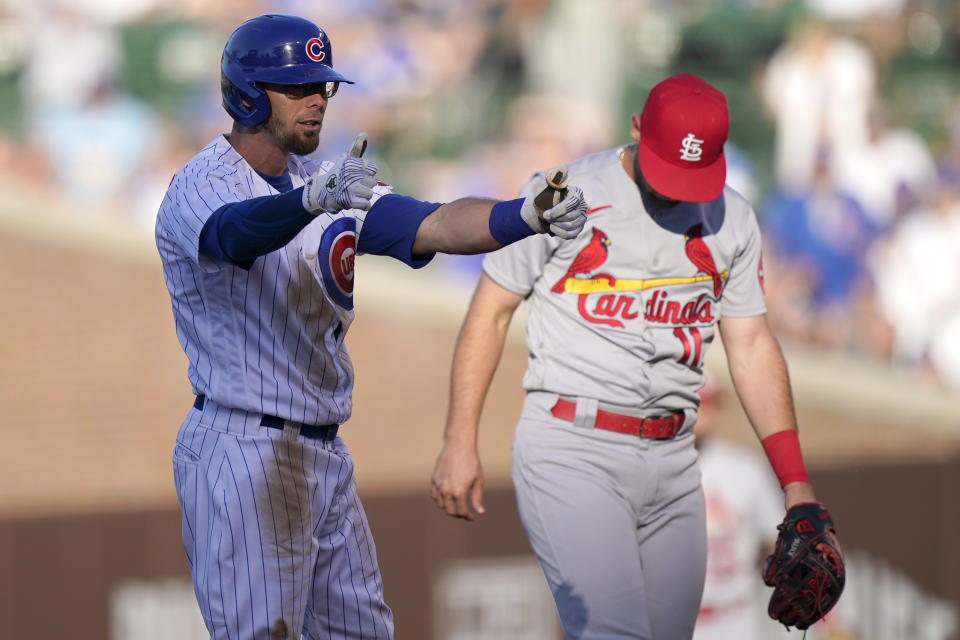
{"x": 292, "y": 139}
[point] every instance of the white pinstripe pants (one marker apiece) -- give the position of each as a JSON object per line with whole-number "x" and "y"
{"x": 277, "y": 541}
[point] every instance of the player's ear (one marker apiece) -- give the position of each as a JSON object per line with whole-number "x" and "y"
{"x": 635, "y": 128}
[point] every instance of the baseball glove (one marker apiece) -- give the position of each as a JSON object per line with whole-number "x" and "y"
{"x": 806, "y": 568}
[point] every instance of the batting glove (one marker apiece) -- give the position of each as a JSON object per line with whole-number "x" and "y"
{"x": 564, "y": 220}
{"x": 347, "y": 185}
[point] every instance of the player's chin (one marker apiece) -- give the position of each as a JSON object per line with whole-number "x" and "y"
{"x": 305, "y": 141}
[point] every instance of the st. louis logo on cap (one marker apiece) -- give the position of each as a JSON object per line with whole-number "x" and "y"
{"x": 690, "y": 149}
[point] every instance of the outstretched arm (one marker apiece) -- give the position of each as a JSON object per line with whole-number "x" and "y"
{"x": 461, "y": 227}
{"x": 458, "y": 474}
{"x": 759, "y": 374}
{"x": 476, "y": 225}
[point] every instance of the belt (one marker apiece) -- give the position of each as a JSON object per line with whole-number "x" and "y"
{"x": 312, "y": 431}
{"x": 658, "y": 428}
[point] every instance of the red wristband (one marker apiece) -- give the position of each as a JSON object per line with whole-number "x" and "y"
{"x": 783, "y": 452}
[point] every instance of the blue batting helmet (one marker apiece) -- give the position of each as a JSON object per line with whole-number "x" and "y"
{"x": 273, "y": 49}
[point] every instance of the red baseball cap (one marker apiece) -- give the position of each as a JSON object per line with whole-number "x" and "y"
{"x": 682, "y": 130}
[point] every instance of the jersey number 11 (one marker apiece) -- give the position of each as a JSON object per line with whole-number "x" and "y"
{"x": 692, "y": 346}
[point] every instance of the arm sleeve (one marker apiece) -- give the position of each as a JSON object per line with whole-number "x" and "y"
{"x": 391, "y": 225}
{"x": 240, "y": 232}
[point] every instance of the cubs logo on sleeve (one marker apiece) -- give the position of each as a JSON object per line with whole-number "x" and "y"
{"x": 336, "y": 258}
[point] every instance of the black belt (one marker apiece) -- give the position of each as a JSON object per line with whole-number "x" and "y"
{"x": 312, "y": 431}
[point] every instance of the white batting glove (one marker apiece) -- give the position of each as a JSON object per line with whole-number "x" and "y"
{"x": 564, "y": 220}
{"x": 347, "y": 185}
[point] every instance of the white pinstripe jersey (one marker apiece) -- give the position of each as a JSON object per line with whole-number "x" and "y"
{"x": 625, "y": 311}
{"x": 268, "y": 340}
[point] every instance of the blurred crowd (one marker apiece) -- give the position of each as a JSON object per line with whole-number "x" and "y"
{"x": 862, "y": 217}
{"x": 845, "y": 127}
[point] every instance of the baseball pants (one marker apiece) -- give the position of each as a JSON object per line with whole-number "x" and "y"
{"x": 617, "y": 523}
{"x": 277, "y": 541}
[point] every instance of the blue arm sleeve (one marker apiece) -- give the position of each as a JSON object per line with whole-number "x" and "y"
{"x": 390, "y": 227}
{"x": 240, "y": 232}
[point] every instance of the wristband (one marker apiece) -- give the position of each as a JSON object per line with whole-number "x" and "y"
{"x": 783, "y": 452}
{"x": 506, "y": 223}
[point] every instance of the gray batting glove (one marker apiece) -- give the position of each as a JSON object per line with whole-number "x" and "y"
{"x": 567, "y": 217}
{"x": 564, "y": 220}
{"x": 347, "y": 185}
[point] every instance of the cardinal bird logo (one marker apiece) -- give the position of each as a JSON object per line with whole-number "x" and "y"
{"x": 699, "y": 254}
{"x": 589, "y": 258}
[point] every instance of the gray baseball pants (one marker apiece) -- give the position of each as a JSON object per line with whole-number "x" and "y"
{"x": 617, "y": 523}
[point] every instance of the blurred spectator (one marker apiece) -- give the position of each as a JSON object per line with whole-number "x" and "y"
{"x": 818, "y": 87}
{"x": 146, "y": 188}
{"x": 416, "y": 91}
{"x": 917, "y": 274}
{"x": 577, "y": 53}
{"x": 948, "y": 157}
{"x": 744, "y": 506}
{"x": 888, "y": 174}
{"x": 740, "y": 173}
{"x": 70, "y": 55}
{"x": 96, "y": 146}
{"x": 540, "y": 131}
{"x": 855, "y": 10}
{"x": 172, "y": 63}
{"x": 93, "y": 135}
{"x": 821, "y": 238}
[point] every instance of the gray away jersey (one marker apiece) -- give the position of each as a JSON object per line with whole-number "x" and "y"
{"x": 270, "y": 339}
{"x": 625, "y": 311}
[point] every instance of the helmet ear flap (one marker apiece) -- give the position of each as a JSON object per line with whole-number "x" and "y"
{"x": 246, "y": 103}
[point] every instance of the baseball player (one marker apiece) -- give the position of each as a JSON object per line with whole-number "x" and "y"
{"x": 618, "y": 322}
{"x": 258, "y": 246}
{"x": 743, "y": 509}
